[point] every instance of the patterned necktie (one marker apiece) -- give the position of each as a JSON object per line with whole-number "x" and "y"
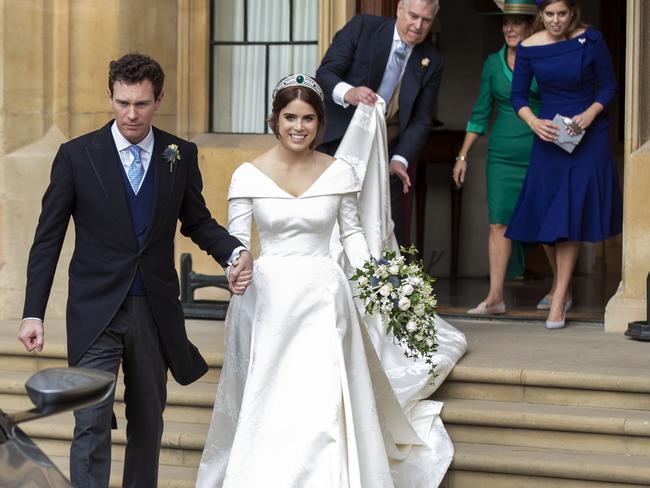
{"x": 393, "y": 71}
{"x": 136, "y": 170}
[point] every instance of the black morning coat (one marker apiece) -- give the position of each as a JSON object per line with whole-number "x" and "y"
{"x": 358, "y": 55}
{"x": 86, "y": 184}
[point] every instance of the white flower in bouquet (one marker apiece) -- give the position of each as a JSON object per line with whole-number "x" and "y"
{"x": 386, "y": 290}
{"x": 403, "y": 294}
{"x": 404, "y": 303}
{"x": 407, "y": 290}
{"x": 415, "y": 280}
{"x": 382, "y": 271}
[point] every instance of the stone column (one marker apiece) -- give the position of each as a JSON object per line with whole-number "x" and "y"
{"x": 629, "y": 304}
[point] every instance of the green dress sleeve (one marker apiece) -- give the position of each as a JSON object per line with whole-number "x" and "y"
{"x": 484, "y": 105}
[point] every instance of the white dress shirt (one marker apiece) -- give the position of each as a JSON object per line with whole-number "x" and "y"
{"x": 341, "y": 88}
{"x": 122, "y": 145}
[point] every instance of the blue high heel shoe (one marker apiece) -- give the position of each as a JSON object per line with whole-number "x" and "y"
{"x": 560, "y": 324}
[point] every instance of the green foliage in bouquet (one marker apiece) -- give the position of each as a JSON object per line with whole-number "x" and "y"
{"x": 402, "y": 293}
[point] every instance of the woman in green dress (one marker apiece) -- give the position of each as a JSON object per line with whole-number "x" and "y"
{"x": 508, "y": 150}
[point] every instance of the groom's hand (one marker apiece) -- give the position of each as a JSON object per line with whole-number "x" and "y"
{"x": 31, "y": 334}
{"x": 241, "y": 274}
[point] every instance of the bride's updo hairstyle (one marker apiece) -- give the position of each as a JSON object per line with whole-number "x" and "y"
{"x": 298, "y": 87}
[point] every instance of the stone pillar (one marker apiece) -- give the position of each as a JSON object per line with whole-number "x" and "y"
{"x": 54, "y": 57}
{"x": 629, "y": 302}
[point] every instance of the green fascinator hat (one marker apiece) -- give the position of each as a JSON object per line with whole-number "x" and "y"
{"x": 517, "y": 7}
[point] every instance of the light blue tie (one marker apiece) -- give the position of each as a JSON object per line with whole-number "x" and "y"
{"x": 393, "y": 71}
{"x": 136, "y": 170}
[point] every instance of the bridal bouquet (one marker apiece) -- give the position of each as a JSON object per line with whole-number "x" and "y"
{"x": 402, "y": 293}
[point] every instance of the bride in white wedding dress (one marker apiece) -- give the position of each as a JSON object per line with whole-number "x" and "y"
{"x": 303, "y": 400}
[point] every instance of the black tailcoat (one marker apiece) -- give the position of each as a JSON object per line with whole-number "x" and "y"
{"x": 86, "y": 184}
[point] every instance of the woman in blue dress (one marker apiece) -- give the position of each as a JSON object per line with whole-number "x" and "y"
{"x": 567, "y": 197}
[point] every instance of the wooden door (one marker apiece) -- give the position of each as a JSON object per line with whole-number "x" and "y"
{"x": 386, "y": 8}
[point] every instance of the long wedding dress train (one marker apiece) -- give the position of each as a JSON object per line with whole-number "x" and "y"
{"x": 303, "y": 399}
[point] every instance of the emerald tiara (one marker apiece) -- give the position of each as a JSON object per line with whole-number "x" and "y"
{"x": 298, "y": 79}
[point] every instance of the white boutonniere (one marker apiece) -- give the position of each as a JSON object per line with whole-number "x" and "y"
{"x": 172, "y": 156}
{"x": 424, "y": 64}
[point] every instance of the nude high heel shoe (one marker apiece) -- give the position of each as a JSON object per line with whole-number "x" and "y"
{"x": 559, "y": 324}
{"x": 483, "y": 309}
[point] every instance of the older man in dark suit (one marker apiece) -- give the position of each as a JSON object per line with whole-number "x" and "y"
{"x": 392, "y": 58}
{"x": 126, "y": 186}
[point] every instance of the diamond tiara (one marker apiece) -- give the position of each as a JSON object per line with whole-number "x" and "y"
{"x": 298, "y": 79}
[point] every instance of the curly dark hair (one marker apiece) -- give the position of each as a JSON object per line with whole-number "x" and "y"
{"x": 134, "y": 68}
{"x": 287, "y": 95}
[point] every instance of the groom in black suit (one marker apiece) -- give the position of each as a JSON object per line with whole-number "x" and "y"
{"x": 125, "y": 185}
{"x": 391, "y": 57}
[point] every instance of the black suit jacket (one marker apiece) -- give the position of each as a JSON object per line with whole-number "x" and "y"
{"x": 86, "y": 183}
{"x": 358, "y": 55}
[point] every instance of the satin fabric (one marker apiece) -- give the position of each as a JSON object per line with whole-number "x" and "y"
{"x": 303, "y": 400}
{"x": 364, "y": 146}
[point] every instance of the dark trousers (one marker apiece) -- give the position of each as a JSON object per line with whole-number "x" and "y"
{"x": 395, "y": 194}
{"x": 132, "y": 338}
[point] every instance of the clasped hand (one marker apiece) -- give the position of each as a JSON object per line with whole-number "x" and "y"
{"x": 241, "y": 273}
{"x": 548, "y": 131}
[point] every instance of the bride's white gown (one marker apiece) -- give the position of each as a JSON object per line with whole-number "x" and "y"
{"x": 303, "y": 400}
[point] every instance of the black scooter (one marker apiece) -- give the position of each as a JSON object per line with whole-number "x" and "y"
{"x": 52, "y": 391}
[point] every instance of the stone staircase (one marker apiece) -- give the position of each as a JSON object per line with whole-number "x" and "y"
{"x": 187, "y": 414}
{"x": 574, "y": 412}
{"x": 525, "y": 408}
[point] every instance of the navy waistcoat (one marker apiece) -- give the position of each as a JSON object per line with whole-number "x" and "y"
{"x": 140, "y": 206}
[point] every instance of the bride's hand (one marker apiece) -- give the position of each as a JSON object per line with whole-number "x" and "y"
{"x": 241, "y": 273}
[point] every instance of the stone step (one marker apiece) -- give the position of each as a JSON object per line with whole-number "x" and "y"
{"x": 31, "y": 364}
{"x": 548, "y": 426}
{"x": 207, "y": 335}
{"x": 549, "y": 439}
{"x": 543, "y": 467}
{"x": 198, "y": 394}
{"x": 549, "y": 395}
{"x": 168, "y": 476}
{"x": 173, "y": 412}
{"x": 177, "y": 435}
{"x": 168, "y": 456}
{"x": 633, "y": 423}
{"x": 628, "y": 380}
{"x": 476, "y": 479}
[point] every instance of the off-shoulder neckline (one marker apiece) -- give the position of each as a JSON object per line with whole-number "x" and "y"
{"x": 558, "y": 43}
{"x": 277, "y": 185}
